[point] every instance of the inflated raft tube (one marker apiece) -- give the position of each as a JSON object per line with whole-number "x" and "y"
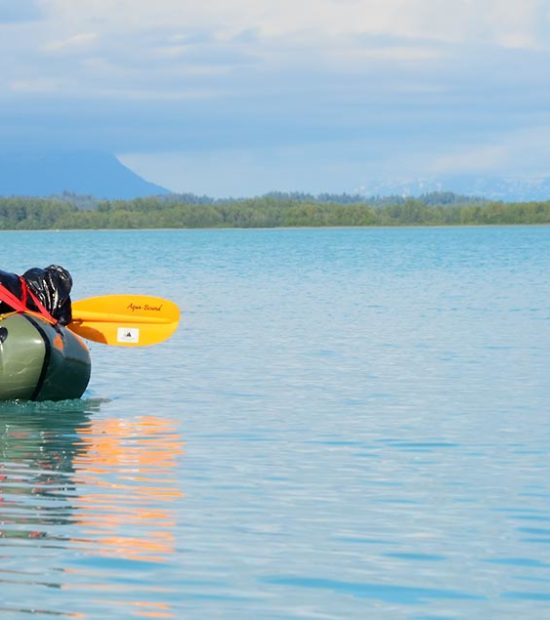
{"x": 40, "y": 361}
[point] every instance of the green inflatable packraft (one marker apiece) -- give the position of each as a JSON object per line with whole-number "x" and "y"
{"x": 40, "y": 361}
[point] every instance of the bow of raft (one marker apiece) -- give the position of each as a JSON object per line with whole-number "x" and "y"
{"x": 41, "y": 361}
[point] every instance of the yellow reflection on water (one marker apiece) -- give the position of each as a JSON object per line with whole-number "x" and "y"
{"x": 127, "y": 482}
{"x": 106, "y": 487}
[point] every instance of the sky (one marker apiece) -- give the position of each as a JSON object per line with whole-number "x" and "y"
{"x": 242, "y": 97}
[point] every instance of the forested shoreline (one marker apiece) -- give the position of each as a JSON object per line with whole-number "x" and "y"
{"x": 277, "y": 210}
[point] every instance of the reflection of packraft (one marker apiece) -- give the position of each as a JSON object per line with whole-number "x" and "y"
{"x": 40, "y": 361}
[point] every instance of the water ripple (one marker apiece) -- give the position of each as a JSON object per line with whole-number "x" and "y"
{"x": 349, "y": 424}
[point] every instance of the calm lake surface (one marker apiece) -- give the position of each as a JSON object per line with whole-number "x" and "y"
{"x": 350, "y": 423}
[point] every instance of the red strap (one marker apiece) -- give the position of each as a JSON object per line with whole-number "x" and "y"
{"x": 23, "y": 284}
{"x": 20, "y": 305}
{"x": 25, "y": 290}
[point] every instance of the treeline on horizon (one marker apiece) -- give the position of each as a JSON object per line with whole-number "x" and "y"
{"x": 272, "y": 210}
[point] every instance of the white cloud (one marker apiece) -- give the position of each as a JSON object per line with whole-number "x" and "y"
{"x": 171, "y": 44}
{"x": 516, "y": 152}
{"x": 400, "y": 79}
{"x": 82, "y": 40}
{"x": 35, "y": 86}
{"x": 483, "y": 158}
{"x": 447, "y": 20}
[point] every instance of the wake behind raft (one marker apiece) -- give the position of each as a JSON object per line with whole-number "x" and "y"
{"x": 40, "y": 359}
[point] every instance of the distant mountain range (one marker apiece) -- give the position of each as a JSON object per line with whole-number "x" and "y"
{"x": 502, "y": 188}
{"x": 102, "y": 175}
{"x": 85, "y": 173}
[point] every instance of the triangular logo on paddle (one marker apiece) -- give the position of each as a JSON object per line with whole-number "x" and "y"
{"x": 128, "y": 334}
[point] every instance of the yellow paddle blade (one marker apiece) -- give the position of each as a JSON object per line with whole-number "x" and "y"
{"x": 125, "y": 320}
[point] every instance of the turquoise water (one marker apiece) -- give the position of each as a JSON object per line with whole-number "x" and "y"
{"x": 349, "y": 424}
